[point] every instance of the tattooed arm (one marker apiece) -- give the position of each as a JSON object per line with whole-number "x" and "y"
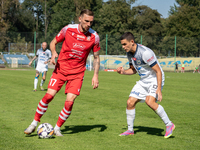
{"x": 96, "y": 65}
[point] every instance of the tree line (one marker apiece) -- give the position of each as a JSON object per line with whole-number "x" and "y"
{"x": 20, "y": 19}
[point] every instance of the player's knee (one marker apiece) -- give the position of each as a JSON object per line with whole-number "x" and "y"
{"x": 149, "y": 102}
{"x": 130, "y": 103}
{"x": 36, "y": 76}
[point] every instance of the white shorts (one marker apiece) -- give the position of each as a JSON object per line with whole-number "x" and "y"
{"x": 41, "y": 68}
{"x": 141, "y": 90}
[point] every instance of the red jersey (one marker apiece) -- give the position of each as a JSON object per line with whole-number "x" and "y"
{"x": 75, "y": 48}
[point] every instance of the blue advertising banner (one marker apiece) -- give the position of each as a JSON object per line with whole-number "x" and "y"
{"x": 167, "y": 64}
{"x": 22, "y": 59}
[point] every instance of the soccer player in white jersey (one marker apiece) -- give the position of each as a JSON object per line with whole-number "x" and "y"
{"x": 143, "y": 61}
{"x": 43, "y": 54}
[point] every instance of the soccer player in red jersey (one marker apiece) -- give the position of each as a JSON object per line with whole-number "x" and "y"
{"x": 78, "y": 40}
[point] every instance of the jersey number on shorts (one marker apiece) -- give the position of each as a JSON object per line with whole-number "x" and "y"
{"x": 52, "y": 82}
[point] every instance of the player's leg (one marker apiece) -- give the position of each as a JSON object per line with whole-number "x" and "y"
{"x": 54, "y": 86}
{"x": 137, "y": 94}
{"x": 130, "y": 115}
{"x": 37, "y": 74}
{"x": 159, "y": 110}
{"x": 65, "y": 113}
{"x": 41, "y": 109}
{"x": 43, "y": 80}
{"x": 72, "y": 90}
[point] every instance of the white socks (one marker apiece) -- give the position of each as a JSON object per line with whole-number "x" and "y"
{"x": 42, "y": 82}
{"x": 163, "y": 115}
{"x": 130, "y": 118}
{"x": 57, "y": 128}
{"x": 34, "y": 123}
{"x": 35, "y": 83}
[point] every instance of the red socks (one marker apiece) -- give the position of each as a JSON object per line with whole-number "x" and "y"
{"x": 42, "y": 106}
{"x": 65, "y": 113}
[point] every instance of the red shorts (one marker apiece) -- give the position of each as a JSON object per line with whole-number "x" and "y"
{"x": 183, "y": 68}
{"x": 73, "y": 85}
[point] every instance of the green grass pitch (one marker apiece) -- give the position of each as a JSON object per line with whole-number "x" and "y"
{"x": 98, "y": 116}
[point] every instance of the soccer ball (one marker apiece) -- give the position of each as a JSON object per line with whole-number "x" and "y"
{"x": 45, "y": 130}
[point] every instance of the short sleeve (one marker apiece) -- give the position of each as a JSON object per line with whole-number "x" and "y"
{"x": 49, "y": 54}
{"x": 37, "y": 53}
{"x": 149, "y": 58}
{"x": 61, "y": 35}
{"x": 96, "y": 46}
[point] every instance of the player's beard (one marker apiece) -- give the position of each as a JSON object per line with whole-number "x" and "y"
{"x": 85, "y": 28}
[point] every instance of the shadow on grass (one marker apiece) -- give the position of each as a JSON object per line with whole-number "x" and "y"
{"x": 31, "y": 135}
{"x": 82, "y": 128}
{"x": 149, "y": 130}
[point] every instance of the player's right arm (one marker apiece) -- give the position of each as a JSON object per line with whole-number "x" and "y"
{"x": 59, "y": 38}
{"x": 53, "y": 51}
{"x": 129, "y": 71}
{"x": 32, "y": 60}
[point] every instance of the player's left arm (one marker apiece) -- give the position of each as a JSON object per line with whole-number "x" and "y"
{"x": 96, "y": 65}
{"x": 156, "y": 68}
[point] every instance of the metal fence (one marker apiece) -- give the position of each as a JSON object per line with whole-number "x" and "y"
{"x": 164, "y": 47}
{"x": 27, "y": 42}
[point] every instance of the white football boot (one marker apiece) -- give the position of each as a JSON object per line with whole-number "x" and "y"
{"x": 30, "y": 129}
{"x": 57, "y": 132}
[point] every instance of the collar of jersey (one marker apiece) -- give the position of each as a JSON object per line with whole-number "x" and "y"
{"x": 136, "y": 50}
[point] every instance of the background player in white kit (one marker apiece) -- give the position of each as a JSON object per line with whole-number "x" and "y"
{"x": 43, "y": 54}
{"x": 143, "y": 61}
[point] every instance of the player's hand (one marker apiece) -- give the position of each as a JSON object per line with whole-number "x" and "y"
{"x": 45, "y": 62}
{"x": 95, "y": 82}
{"x": 159, "y": 93}
{"x": 120, "y": 70}
{"x": 30, "y": 63}
{"x": 54, "y": 56}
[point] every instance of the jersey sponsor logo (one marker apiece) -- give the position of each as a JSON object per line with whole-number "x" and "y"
{"x": 79, "y": 45}
{"x": 42, "y": 60}
{"x": 80, "y": 36}
{"x": 75, "y": 56}
{"x": 73, "y": 33}
{"x": 136, "y": 93}
{"x": 76, "y": 52}
{"x": 150, "y": 59}
{"x": 79, "y": 39}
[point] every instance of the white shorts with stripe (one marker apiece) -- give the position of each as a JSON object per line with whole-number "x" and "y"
{"x": 141, "y": 90}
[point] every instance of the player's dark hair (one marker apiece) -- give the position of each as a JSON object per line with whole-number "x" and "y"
{"x": 87, "y": 12}
{"x": 128, "y": 36}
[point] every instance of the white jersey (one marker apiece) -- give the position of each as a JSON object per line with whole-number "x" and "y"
{"x": 43, "y": 56}
{"x": 143, "y": 59}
